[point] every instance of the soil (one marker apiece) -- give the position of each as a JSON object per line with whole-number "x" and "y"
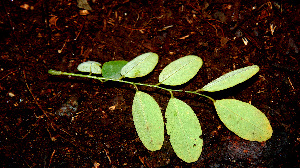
{"x": 61, "y": 121}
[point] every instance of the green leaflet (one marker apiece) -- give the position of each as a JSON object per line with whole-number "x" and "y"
{"x": 231, "y": 79}
{"x": 140, "y": 66}
{"x": 180, "y": 71}
{"x": 148, "y": 121}
{"x": 184, "y": 129}
{"x": 112, "y": 69}
{"x": 244, "y": 119}
{"x": 90, "y": 66}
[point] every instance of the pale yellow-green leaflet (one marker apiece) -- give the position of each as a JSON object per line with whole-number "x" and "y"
{"x": 90, "y": 66}
{"x": 140, "y": 66}
{"x": 181, "y": 70}
{"x": 231, "y": 79}
{"x": 184, "y": 129}
{"x": 148, "y": 121}
{"x": 243, "y": 119}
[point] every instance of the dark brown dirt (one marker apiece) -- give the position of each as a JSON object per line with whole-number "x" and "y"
{"x": 60, "y": 121}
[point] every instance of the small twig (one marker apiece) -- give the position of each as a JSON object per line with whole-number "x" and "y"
{"x": 51, "y": 157}
{"x": 60, "y": 51}
{"x": 253, "y": 13}
{"x": 291, "y": 83}
{"x": 134, "y": 25}
{"x": 24, "y": 136}
{"x": 215, "y": 27}
{"x": 7, "y": 74}
{"x": 79, "y": 32}
{"x": 106, "y": 152}
{"x": 34, "y": 98}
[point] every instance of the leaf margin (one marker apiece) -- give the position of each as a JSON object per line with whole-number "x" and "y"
{"x": 159, "y": 126}
{"x": 170, "y": 72}
{"x": 209, "y": 87}
{"x": 133, "y": 68}
{"x": 194, "y": 156}
{"x": 251, "y": 110}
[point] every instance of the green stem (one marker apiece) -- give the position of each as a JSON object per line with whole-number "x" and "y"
{"x": 54, "y": 72}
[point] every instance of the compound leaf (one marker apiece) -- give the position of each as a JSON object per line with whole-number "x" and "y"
{"x": 243, "y": 119}
{"x": 140, "y": 66}
{"x": 112, "y": 69}
{"x": 90, "y": 66}
{"x": 231, "y": 79}
{"x": 180, "y": 71}
{"x": 184, "y": 129}
{"x": 148, "y": 121}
